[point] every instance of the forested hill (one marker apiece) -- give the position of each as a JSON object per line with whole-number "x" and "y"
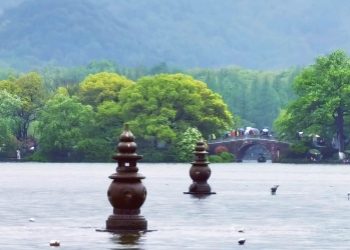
{"x": 271, "y": 34}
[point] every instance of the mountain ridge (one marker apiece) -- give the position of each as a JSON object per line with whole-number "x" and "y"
{"x": 269, "y": 35}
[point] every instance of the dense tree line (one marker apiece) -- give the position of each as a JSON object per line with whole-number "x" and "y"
{"x": 160, "y": 103}
{"x": 255, "y": 96}
{"x": 83, "y": 123}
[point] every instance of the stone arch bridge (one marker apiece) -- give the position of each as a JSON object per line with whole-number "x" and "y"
{"x": 239, "y": 145}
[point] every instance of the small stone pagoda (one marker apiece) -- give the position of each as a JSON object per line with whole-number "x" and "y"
{"x": 126, "y": 193}
{"x": 200, "y": 171}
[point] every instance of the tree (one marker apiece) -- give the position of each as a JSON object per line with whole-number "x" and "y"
{"x": 63, "y": 122}
{"x": 109, "y": 119}
{"x": 323, "y": 91}
{"x": 9, "y": 106}
{"x": 5, "y": 132}
{"x": 7, "y": 72}
{"x": 30, "y": 90}
{"x": 96, "y": 89}
{"x": 186, "y": 144}
{"x": 161, "y": 106}
{"x": 95, "y": 67}
{"x": 159, "y": 68}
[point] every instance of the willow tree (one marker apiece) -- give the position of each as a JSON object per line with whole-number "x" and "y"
{"x": 163, "y": 106}
{"x": 30, "y": 90}
{"x": 323, "y": 91}
{"x": 9, "y": 106}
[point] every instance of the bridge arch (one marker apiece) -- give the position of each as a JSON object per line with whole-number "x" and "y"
{"x": 243, "y": 149}
{"x": 239, "y": 145}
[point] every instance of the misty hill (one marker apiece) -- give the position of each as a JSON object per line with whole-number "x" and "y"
{"x": 254, "y": 34}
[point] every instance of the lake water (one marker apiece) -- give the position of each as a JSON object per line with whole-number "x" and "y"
{"x": 310, "y": 210}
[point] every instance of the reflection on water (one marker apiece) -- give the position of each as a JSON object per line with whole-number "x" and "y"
{"x": 127, "y": 241}
{"x": 199, "y": 196}
{"x": 69, "y": 202}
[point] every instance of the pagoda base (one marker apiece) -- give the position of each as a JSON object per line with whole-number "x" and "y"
{"x": 199, "y": 188}
{"x": 126, "y": 222}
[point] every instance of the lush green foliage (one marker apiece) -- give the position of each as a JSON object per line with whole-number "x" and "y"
{"x": 118, "y": 100}
{"x": 9, "y": 106}
{"x": 30, "y": 90}
{"x": 255, "y": 96}
{"x": 186, "y": 143}
{"x": 163, "y": 106}
{"x": 160, "y": 108}
{"x": 240, "y": 88}
{"x": 215, "y": 159}
{"x": 227, "y": 157}
{"x": 93, "y": 150}
{"x": 224, "y": 157}
{"x": 323, "y": 102}
{"x": 299, "y": 147}
{"x": 62, "y": 123}
{"x": 97, "y": 88}
{"x": 38, "y": 156}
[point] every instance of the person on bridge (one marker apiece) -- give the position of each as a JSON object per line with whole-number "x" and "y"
{"x": 233, "y": 132}
{"x": 265, "y": 131}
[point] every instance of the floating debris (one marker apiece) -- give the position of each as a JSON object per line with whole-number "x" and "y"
{"x": 241, "y": 230}
{"x": 32, "y": 220}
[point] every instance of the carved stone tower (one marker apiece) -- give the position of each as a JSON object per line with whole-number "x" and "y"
{"x": 200, "y": 171}
{"x": 126, "y": 192}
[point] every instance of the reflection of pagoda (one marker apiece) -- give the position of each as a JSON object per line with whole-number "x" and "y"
{"x": 200, "y": 171}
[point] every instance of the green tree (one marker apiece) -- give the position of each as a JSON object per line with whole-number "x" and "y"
{"x": 186, "y": 143}
{"x": 323, "y": 91}
{"x": 93, "y": 149}
{"x": 30, "y": 90}
{"x": 9, "y": 106}
{"x": 63, "y": 122}
{"x": 95, "y": 67}
{"x": 5, "y": 73}
{"x": 96, "y": 89}
{"x": 160, "y": 107}
{"x": 109, "y": 119}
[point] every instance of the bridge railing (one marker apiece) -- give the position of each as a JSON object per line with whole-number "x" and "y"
{"x": 244, "y": 137}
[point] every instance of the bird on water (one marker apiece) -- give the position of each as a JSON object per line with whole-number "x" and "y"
{"x": 241, "y": 241}
{"x": 274, "y": 189}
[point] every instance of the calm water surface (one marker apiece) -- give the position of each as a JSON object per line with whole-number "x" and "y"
{"x": 311, "y": 209}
